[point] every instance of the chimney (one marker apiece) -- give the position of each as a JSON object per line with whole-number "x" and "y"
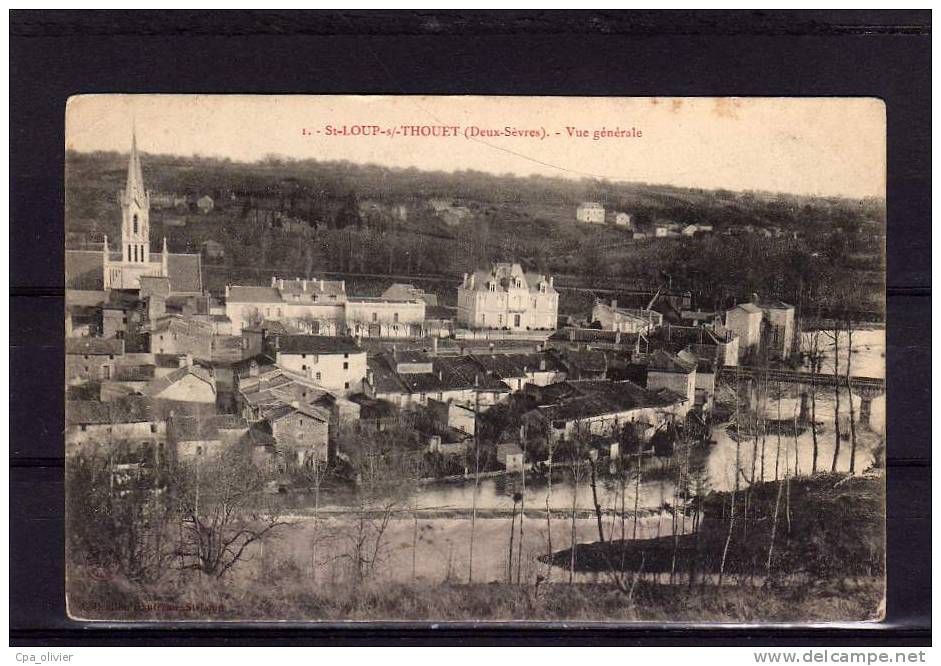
{"x": 274, "y": 281}
{"x": 303, "y": 285}
{"x": 463, "y": 281}
{"x": 227, "y": 291}
{"x": 551, "y": 279}
{"x": 321, "y": 284}
{"x": 440, "y": 375}
{"x": 434, "y": 346}
{"x": 280, "y": 283}
{"x": 395, "y": 353}
{"x": 614, "y": 304}
{"x": 342, "y": 285}
{"x": 253, "y": 369}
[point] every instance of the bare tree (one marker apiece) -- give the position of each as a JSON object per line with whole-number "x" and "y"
{"x": 223, "y": 511}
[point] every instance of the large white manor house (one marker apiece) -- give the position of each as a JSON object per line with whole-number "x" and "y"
{"x": 506, "y": 297}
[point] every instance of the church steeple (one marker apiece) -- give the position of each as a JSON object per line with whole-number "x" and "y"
{"x": 134, "y": 189}
{"x": 135, "y": 211}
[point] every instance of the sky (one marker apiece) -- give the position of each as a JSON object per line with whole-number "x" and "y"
{"x": 811, "y": 146}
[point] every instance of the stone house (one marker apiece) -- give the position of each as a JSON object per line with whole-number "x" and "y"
{"x": 666, "y": 371}
{"x": 189, "y": 384}
{"x": 337, "y": 364}
{"x": 92, "y": 359}
{"x": 127, "y": 427}
{"x": 301, "y": 432}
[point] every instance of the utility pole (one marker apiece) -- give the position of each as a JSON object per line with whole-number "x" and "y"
{"x": 470, "y": 565}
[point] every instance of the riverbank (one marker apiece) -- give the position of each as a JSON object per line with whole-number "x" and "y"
{"x": 823, "y": 527}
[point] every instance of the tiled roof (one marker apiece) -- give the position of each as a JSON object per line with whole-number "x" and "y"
{"x": 94, "y": 346}
{"x": 317, "y": 344}
{"x": 314, "y": 286}
{"x": 775, "y": 304}
{"x": 748, "y": 307}
{"x": 503, "y": 273}
{"x": 161, "y": 384}
{"x": 238, "y": 294}
{"x": 595, "y": 398}
{"x": 84, "y": 269}
{"x": 134, "y": 373}
{"x": 132, "y": 409}
{"x": 159, "y": 285}
{"x": 285, "y": 410}
{"x": 661, "y": 361}
{"x": 400, "y": 291}
{"x": 185, "y": 271}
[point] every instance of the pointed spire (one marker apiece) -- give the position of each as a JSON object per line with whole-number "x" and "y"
{"x": 135, "y": 177}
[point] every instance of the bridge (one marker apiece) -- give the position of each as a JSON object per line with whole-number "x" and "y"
{"x": 867, "y": 388}
{"x": 862, "y": 385}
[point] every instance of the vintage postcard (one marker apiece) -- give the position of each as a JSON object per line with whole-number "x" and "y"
{"x": 337, "y": 358}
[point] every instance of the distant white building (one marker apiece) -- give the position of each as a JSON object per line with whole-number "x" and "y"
{"x": 623, "y": 220}
{"x": 506, "y": 297}
{"x": 693, "y": 229}
{"x": 590, "y": 212}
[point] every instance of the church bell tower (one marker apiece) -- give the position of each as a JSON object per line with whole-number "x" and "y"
{"x": 135, "y": 213}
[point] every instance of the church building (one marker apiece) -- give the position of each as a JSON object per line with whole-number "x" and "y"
{"x": 132, "y": 260}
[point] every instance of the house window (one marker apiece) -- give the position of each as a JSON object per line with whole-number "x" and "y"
{"x": 346, "y": 366}
{"x": 318, "y": 376}
{"x": 199, "y": 450}
{"x": 303, "y": 355}
{"x": 333, "y": 297}
{"x": 375, "y": 317}
{"x": 492, "y": 286}
{"x": 303, "y": 367}
{"x": 135, "y": 223}
{"x": 279, "y": 313}
{"x": 516, "y": 321}
{"x": 346, "y": 385}
{"x": 153, "y": 428}
{"x": 346, "y": 355}
{"x": 395, "y": 317}
{"x": 84, "y": 427}
{"x": 105, "y": 372}
{"x": 267, "y": 312}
